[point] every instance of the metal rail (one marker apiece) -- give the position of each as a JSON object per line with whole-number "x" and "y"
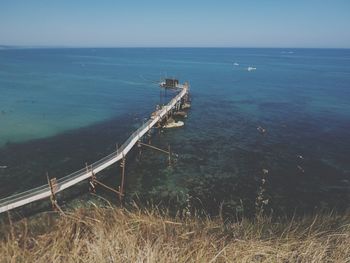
{"x": 65, "y": 182}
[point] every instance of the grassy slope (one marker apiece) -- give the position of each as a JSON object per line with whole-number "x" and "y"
{"x": 116, "y": 235}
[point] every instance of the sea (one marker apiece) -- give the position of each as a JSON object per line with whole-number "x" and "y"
{"x": 268, "y": 129}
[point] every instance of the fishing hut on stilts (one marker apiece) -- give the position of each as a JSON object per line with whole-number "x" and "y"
{"x": 162, "y": 117}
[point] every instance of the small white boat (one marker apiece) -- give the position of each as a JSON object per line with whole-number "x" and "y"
{"x": 174, "y": 124}
{"x": 261, "y": 129}
{"x": 251, "y": 68}
{"x": 235, "y": 64}
{"x": 3, "y": 166}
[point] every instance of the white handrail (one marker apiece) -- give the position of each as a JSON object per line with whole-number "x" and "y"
{"x": 63, "y": 183}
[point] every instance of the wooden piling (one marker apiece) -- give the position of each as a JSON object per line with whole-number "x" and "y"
{"x": 140, "y": 148}
{"x": 169, "y": 156}
{"x": 107, "y": 187}
{"x": 53, "y": 187}
{"x": 106, "y": 161}
{"x": 121, "y": 189}
{"x": 52, "y": 196}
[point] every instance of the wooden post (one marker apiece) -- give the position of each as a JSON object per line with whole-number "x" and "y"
{"x": 92, "y": 186}
{"x": 159, "y": 126}
{"x": 169, "y": 158}
{"x": 11, "y": 225}
{"x": 53, "y": 184}
{"x": 121, "y": 188}
{"x": 149, "y": 135}
{"x": 92, "y": 181}
{"x": 140, "y": 148}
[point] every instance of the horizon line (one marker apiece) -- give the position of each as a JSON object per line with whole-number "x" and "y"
{"x": 165, "y": 47}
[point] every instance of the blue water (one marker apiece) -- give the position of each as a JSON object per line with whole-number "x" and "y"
{"x": 300, "y": 96}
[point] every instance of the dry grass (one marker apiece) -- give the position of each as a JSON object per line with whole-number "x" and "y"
{"x": 117, "y": 235}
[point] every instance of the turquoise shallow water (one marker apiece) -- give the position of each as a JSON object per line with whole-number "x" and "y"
{"x": 62, "y": 107}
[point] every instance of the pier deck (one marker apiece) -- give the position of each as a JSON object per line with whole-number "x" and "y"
{"x": 72, "y": 179}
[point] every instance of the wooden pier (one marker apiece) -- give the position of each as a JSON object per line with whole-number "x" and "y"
{"x": 90, "y": 171}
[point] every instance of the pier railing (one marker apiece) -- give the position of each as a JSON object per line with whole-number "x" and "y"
{"x": 74, "y": 178}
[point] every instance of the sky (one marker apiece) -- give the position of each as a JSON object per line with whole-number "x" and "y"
{"x": 176, "y": 23}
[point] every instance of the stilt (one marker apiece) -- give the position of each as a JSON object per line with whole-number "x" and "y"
{"x": 106, "y": 186}
{"x": 159, "y": 126}
{"x": 52, "y": 196}
{"x": 11, "y": 225}
{"x": 149, "y": 135}
{"x": 121, "y": 189}
{"x": 93, "y": 182}
{"x": 168, "y": 152}
{"x": 169, "y": 155}
{"x": 140, "y": 148}
{"x": 53, "y": 187}
{"x": 92, "y": 186}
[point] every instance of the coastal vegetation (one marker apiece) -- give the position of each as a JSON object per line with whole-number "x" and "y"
{"x": 111, "y": 234}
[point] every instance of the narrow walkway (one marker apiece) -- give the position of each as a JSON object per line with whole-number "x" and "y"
{"x": 63, "y": 183}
